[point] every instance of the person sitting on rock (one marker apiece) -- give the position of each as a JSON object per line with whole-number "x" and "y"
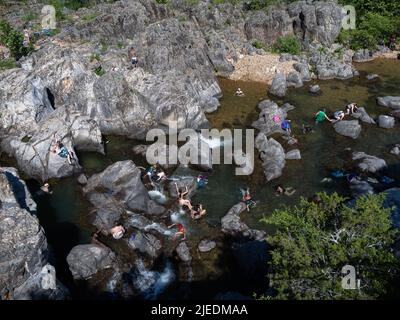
{"x": 239, "y": 93}
{"x": 198, "y": 212}
{"x": 117, "y": 232}
{"x": 320, "y": 116}
{"x": 285, "y": 125}
{"x": 351, "y": 108}
{"x": 63, "y": 152}
{"x": 339, "y": 115}
{"x": 181, "y": 200}
{"x": 181, "y": 231}
{"x": 132, "y": 57}
{"x": 247, "y": 199}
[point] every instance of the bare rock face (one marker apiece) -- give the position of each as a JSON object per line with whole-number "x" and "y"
{"x": 318, "y": 21}
{"x": 120, "y": 184}
{"x": 86, "y": 260}
{"x": 272, "y": 156}
{"x": 23, "y": 244}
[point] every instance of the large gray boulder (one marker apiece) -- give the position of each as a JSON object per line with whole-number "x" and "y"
{"x": 206, "y": 245}
{"x": 279, "y": 85}
{"x": 386, "y": 122}
{"x": 121, "y": 182}
{"x": 272, "y": 156}
{"x": 390, "y": 102}
{"x": 363, "y": 116}
{"x": 348, "y": 128}
{"x": 265, "y": 123}
{"x": 304, "y": 71}
{"x": 87, "y": 259}
{"x": 369, "y": 163}
{"x": 232, "y": 225}
{"x": 294, "y": 79}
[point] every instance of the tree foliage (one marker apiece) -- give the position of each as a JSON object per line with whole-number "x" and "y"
{"x": 314, "y": 241}
{"x": 13, "y": 40}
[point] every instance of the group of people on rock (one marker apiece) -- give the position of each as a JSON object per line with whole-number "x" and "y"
{"x": 321, "y": 115}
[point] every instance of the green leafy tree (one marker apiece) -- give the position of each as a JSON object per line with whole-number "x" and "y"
{"x": 314, "y": 241}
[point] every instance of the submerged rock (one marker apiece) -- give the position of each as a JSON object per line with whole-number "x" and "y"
{"x": 293, "y": 155}
{"x": 386, "y": 122}
{"x": 369, "y": 163}
{"x": 183, "y": 252}
{"x": 348, "y": 128}
{"x": 315, "y": 89}
{"x": 396, "y": 150}
{"x": 86, "y": 260}
{"x": 359, "y": 188}
{"x": 371, "y": 77}
{"x": 206, "y": 245}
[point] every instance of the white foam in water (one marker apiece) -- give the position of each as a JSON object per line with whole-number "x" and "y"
{"x": 153, "y": 283}
{"x": 157, "y": 196}
{"x": 158, "y": 228}
{"x": 176, "y": 216}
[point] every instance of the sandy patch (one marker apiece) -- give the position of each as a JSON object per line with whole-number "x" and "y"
{"x": 260, "y": 68}
{"x": 388, "y": 55}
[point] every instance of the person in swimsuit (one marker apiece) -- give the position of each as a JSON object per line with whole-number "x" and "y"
{"x": 198, "y": 212}
{"x": 181, "y": 200}
{"x": 180, "y": 232}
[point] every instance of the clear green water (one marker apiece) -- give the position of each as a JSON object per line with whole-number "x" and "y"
{"x": 66, "y": 217}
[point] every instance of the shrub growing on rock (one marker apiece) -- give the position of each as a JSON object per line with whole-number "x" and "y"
{"x": 13, "y": 39}
{"x": 288, "y": 44}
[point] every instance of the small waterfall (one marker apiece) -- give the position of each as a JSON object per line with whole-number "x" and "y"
{"x": 155, "y": 226}
{"x": 157, "y": 196}
{"x": 152, "y": 283}
{"x": 177, "y": 216}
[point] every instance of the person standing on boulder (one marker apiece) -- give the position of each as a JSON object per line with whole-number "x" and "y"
{"x": 132, "y": 57}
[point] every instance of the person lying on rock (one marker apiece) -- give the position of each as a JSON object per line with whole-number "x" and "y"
{"x": 198, "y": 212}
{"x": 247, "y": 199}
{"x": 351, "y": 108}
{"x": 239, "y": 93}
{"x": 63, "y": 152}
{"x": 339, "y": 115}
{"x": 117, "y": 232}
{"x": 320, "y": 116}
{"x": 181, "y": 231}
{"x": 181, "y": 200}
